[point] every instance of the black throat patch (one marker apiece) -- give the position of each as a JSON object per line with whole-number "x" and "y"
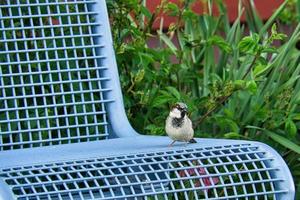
{"x": 177, "y": 122}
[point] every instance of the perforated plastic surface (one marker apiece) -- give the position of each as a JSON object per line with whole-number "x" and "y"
{"x": 221, "y": 172}
{"x": 50, "y": 74}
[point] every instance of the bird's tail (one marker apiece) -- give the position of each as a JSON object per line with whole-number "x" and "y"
{"x": 192, "y": 141}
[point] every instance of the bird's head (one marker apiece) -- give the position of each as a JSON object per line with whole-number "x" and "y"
{"x": 178, "y": 110}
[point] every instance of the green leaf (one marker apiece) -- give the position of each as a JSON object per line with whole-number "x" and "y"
{"x": 239, "y": 84}
{"x": 154, "y": 129}
{"x": 262, "y": 60}
{"x": 167, "y": 41}
{"x": 296, "y": 116}
{"x": 146, "y": 11}
{"x": 231, "y": 135}
{"x": 139, "y": 76}
{"x": 262, "y": 114}
{"x": 188, "y": 15}
{"x": 269, "y": 50}
{"x": 275, "y": 35}
{"x": 290, "y": 128}
{"x": 287, "y": 84}
{"x": 220, "y": 42}
{"x": 270, "y": 21}
{"x": 258, "y": 69}
{"x": 226, "y": 123}
{"x": 281, "y": 140}
{"x": 174, "y": 92}
{"x": 173, "y": 9}
{"x": 274, "y": 29}
{"x": 254, "y": 21}
{"x": 160, "y": 100}
{"x": 251, "y": 86}
{"x": 249, "y": 44}
{"x": 280, "y": 36}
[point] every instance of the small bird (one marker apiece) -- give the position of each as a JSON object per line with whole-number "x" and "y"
{"x": 178, "y": 125}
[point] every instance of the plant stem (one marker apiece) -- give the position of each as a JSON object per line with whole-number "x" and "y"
{"x": 221, "y": 101}
{"x": 157, "y": 11}
{"x": 202, "y": 118}
{"x": 251, "y": 65}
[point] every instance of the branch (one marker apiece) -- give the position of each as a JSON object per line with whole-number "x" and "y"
{"x": 201, "y": 119}
{"x": 251, "y": 65}
{"x": 221, "y": 101}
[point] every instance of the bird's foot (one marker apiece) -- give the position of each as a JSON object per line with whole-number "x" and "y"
{"x": 170, "y": 145}
{"x": 186, "y": 143}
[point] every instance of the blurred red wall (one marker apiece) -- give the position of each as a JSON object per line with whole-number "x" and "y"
{"x": 265, "y": 9}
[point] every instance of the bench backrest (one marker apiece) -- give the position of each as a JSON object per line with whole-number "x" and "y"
{"x": 54, "y": 58}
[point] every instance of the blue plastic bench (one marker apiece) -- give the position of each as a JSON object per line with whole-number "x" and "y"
{"x": 64, "y": 133}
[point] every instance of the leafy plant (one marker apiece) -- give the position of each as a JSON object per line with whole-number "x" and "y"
{"x": 288, "y": 15}
{"x": 238, "y": 82}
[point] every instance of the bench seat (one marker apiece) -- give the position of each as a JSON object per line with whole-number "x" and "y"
{"x": 144, "y": 166}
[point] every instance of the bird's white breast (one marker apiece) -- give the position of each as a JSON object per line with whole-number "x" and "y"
{"x": 183, "y": 133}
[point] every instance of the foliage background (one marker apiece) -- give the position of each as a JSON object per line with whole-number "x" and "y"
{"x": 240, "y": 80}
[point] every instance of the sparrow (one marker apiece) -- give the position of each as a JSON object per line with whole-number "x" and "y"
{"x": 178, "y": 125}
